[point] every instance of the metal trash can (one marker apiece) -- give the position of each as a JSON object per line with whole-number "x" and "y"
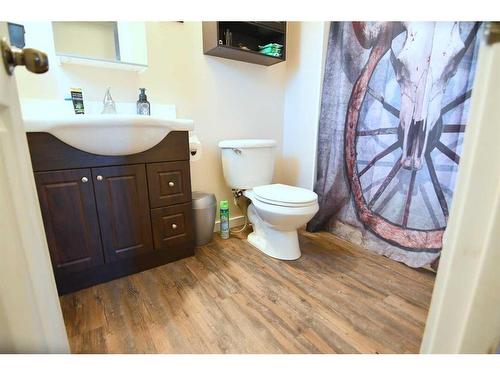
{"x": 204, "y": 211}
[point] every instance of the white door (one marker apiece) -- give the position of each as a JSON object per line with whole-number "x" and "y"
{"x": 30, "y": 315}
{"x": 464, "y": 316}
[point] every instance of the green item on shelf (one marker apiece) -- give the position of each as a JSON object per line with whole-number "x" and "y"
{"x": 271, "y": 49}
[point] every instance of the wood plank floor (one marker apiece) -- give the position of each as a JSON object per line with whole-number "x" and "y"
{"x": 230, "y": 298}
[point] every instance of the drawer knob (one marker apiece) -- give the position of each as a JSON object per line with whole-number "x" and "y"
{"x": 99, "y": 178}
{"x": 85, "y": 179}
{"x": 174, "y": 226}
{"x": 171, "y": 184}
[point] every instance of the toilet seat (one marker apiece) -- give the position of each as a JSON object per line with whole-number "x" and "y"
{"x": 285, "y": 195}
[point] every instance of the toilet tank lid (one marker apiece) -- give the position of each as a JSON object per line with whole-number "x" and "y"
{"x": 247, "y": 143}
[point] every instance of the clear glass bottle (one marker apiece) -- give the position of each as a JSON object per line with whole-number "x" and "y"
{"x": 143, "y": 106}
{"x": 108, "y": 104}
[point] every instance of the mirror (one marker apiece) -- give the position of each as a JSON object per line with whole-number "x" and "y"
{"x": 122, "y": 42}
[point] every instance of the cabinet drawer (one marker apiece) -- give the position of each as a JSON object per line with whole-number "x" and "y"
{"x": 172, "y": 226}
{"x": 169, "y": 183}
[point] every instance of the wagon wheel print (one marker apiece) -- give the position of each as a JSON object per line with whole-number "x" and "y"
{"x": 399, "y": 232}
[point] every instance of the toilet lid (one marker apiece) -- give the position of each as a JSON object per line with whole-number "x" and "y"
{"x": 285, "y": 195}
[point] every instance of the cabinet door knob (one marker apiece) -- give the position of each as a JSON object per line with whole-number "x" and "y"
{"x": 174, "y": 226}
{"x": 85, "y": 179}
{"x": 171, "y": 184}
{"x": 99, "y": 178}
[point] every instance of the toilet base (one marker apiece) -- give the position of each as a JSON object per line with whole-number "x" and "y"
{"x": 278, "y": 244}
{"x": 284, "y": 248}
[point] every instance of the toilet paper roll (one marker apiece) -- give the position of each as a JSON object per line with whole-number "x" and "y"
{"x": 195, "y": 148}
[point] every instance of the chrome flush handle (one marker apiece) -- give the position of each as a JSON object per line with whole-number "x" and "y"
{"x": 237, "y": 151}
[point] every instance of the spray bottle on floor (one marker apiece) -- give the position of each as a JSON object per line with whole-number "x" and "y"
{"x": 224, "y": 219}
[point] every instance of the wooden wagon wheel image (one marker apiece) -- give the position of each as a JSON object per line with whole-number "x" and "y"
{"x": 391, "y": 159}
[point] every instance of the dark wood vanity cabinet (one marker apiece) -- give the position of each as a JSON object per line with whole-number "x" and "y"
{"x": 110, "y": 216}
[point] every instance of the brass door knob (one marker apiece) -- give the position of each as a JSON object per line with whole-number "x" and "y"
{"x": 34, "y": 60}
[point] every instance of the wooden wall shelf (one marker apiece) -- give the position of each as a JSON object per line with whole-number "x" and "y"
{"x": 247, "y": 34}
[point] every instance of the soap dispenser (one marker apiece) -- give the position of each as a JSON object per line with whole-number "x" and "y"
{"x": 143, "y": 106}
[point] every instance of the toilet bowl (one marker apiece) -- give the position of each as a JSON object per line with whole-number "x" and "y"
{"x": 276, "y": 211}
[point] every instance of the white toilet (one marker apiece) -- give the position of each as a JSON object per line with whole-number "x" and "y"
{"x": 277, "y": 210}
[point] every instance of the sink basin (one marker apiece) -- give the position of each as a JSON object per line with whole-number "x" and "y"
{"x": 107, "y": 134}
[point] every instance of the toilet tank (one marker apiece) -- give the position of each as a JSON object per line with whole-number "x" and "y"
{"x": 247, "y": 163}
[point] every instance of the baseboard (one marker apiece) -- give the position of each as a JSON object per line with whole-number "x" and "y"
{"x": 236, "y": 221}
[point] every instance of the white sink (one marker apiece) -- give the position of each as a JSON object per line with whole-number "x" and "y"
{"x": 118, "y": 134}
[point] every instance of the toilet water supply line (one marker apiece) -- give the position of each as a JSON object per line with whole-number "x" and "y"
{"x": 239, "y": 194}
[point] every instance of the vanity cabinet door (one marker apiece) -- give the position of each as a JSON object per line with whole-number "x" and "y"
{"x": 122, "y": 204}
{"x": 70, "y": 219}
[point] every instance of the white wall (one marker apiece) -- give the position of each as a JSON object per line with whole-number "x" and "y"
{"x": 225, "y": 98}
{"x": 306, "y": 51}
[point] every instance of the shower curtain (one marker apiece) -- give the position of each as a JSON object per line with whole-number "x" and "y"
{"x": 394, "y": 109}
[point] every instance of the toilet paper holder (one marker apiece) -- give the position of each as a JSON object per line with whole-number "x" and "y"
{"x": 194, "y": 147}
